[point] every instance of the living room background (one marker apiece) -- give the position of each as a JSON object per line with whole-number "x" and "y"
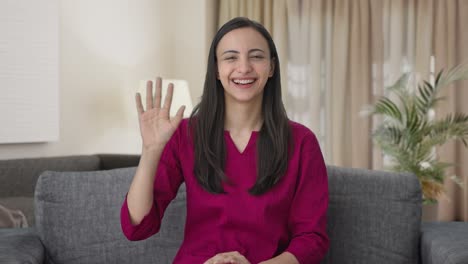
{"x": 106, "y": 48}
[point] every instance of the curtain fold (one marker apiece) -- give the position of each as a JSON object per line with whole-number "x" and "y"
{"x": 360, "y": 88}
{"x": 462, "y": 153}
{"x": 329, "y": 76}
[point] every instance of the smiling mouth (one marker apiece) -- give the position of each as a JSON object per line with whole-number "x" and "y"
{"x": 243, "y": 81}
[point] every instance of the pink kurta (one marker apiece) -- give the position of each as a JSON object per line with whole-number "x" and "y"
{"x": 289, "y": 217}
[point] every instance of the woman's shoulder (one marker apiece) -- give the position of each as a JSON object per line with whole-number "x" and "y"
{"x": 181, "y": 133}
{"x": 184, "y": 124}
{"x": 300, "y": 131}
{"x": 303, "y": 137}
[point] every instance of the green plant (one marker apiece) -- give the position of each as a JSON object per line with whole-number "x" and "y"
{"x": 409, "y": 131}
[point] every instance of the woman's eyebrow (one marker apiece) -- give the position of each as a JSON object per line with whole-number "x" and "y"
{"x": 237, "y": 52}
{"x": 230, "y": 51}
{"x": 254, "y": 50}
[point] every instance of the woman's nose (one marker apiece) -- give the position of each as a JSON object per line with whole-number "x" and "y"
{"x": 244, "y": 65}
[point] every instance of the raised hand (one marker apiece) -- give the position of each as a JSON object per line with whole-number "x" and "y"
{"x": 156, "y": 126}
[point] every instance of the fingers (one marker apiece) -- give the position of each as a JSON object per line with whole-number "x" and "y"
{"x": 138, "y": 103}
{"x": 155, "y": 102}
{"x": 149, "y": 95}
{"x": 168, "y": 99}
{"x": 222, "y": 260}
{"x": 179, "y": 115}
{"x": 157, "y": 95}
{"x": 227, "y": 257}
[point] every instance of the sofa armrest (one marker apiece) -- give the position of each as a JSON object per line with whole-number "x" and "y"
{"x": 20, "y": 245}
{"x": 444, "y": 242}
{"x": 114, "y": 161}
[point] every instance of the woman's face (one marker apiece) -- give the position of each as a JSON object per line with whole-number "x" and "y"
{"x": 244, "y": 65}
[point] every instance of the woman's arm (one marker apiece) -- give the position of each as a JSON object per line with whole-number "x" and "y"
{"x": 140, "y": 194}
{"x": 160, "y": 188}
{"x": 308, "y": 215}
{"x": 142, "y": 211}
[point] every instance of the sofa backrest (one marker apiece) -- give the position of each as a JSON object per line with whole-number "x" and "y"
{"x": 78, "y": 220}
{"x": 18, "y": 177}
{"x": 373, "y": 217}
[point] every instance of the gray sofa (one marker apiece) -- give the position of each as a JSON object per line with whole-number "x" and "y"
{"x": 373, "y": 217}
{"x": 18, "y": 177}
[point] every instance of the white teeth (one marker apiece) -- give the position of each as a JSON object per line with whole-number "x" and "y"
{"x": 243, "y": 81}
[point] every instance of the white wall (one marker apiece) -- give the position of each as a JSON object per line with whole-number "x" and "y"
{"x": 106, "y": 47}
{"x": 29, "y": 71}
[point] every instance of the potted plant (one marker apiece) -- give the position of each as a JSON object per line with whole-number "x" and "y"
{"x": 409, "y": 131}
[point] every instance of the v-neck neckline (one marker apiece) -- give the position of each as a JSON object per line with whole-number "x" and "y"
{"x": 253, "y": 136}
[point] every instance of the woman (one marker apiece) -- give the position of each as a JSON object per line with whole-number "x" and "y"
{"x": 257, "y": 189}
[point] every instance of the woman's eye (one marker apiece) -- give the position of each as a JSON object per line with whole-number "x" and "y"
{"x": 257, "y": 57}
{"x": 230, "y": 58}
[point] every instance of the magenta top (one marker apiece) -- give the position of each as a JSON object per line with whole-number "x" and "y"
{"x": 289, "y": 217}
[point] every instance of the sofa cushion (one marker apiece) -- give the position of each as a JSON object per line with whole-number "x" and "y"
{"x": 78, "y": 219}
{"x": 444, "y": 242}
{"x": 373, "y": 217}
{"x": 20, "y": 246}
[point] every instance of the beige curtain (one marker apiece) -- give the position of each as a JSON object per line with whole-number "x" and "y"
{"x": 270, "y": 13}
{"x": 340, "y": 56}
{"x": 450, "y": 48}
{"x": 413, "y": 32}
{"x": 329, "y": 75}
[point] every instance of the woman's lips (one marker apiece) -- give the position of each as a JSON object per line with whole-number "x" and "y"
{"x": 243, "y": 82}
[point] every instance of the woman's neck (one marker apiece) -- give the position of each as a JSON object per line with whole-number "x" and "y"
{"x": 243, "y": 118}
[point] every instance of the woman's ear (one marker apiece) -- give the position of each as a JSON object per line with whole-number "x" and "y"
{"x": 272, "y": 67}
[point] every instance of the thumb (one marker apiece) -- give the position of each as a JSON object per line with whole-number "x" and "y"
{"x": 179, "y": 115}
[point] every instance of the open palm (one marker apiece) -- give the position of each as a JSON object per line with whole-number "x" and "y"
{"x": 156, "y": 126}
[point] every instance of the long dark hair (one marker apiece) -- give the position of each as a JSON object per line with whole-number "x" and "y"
{"x": 207, "y": 123}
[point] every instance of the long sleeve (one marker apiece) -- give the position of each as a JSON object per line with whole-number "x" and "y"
{"x": 307, "y": 221}
{"x": 168, "y": 179}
